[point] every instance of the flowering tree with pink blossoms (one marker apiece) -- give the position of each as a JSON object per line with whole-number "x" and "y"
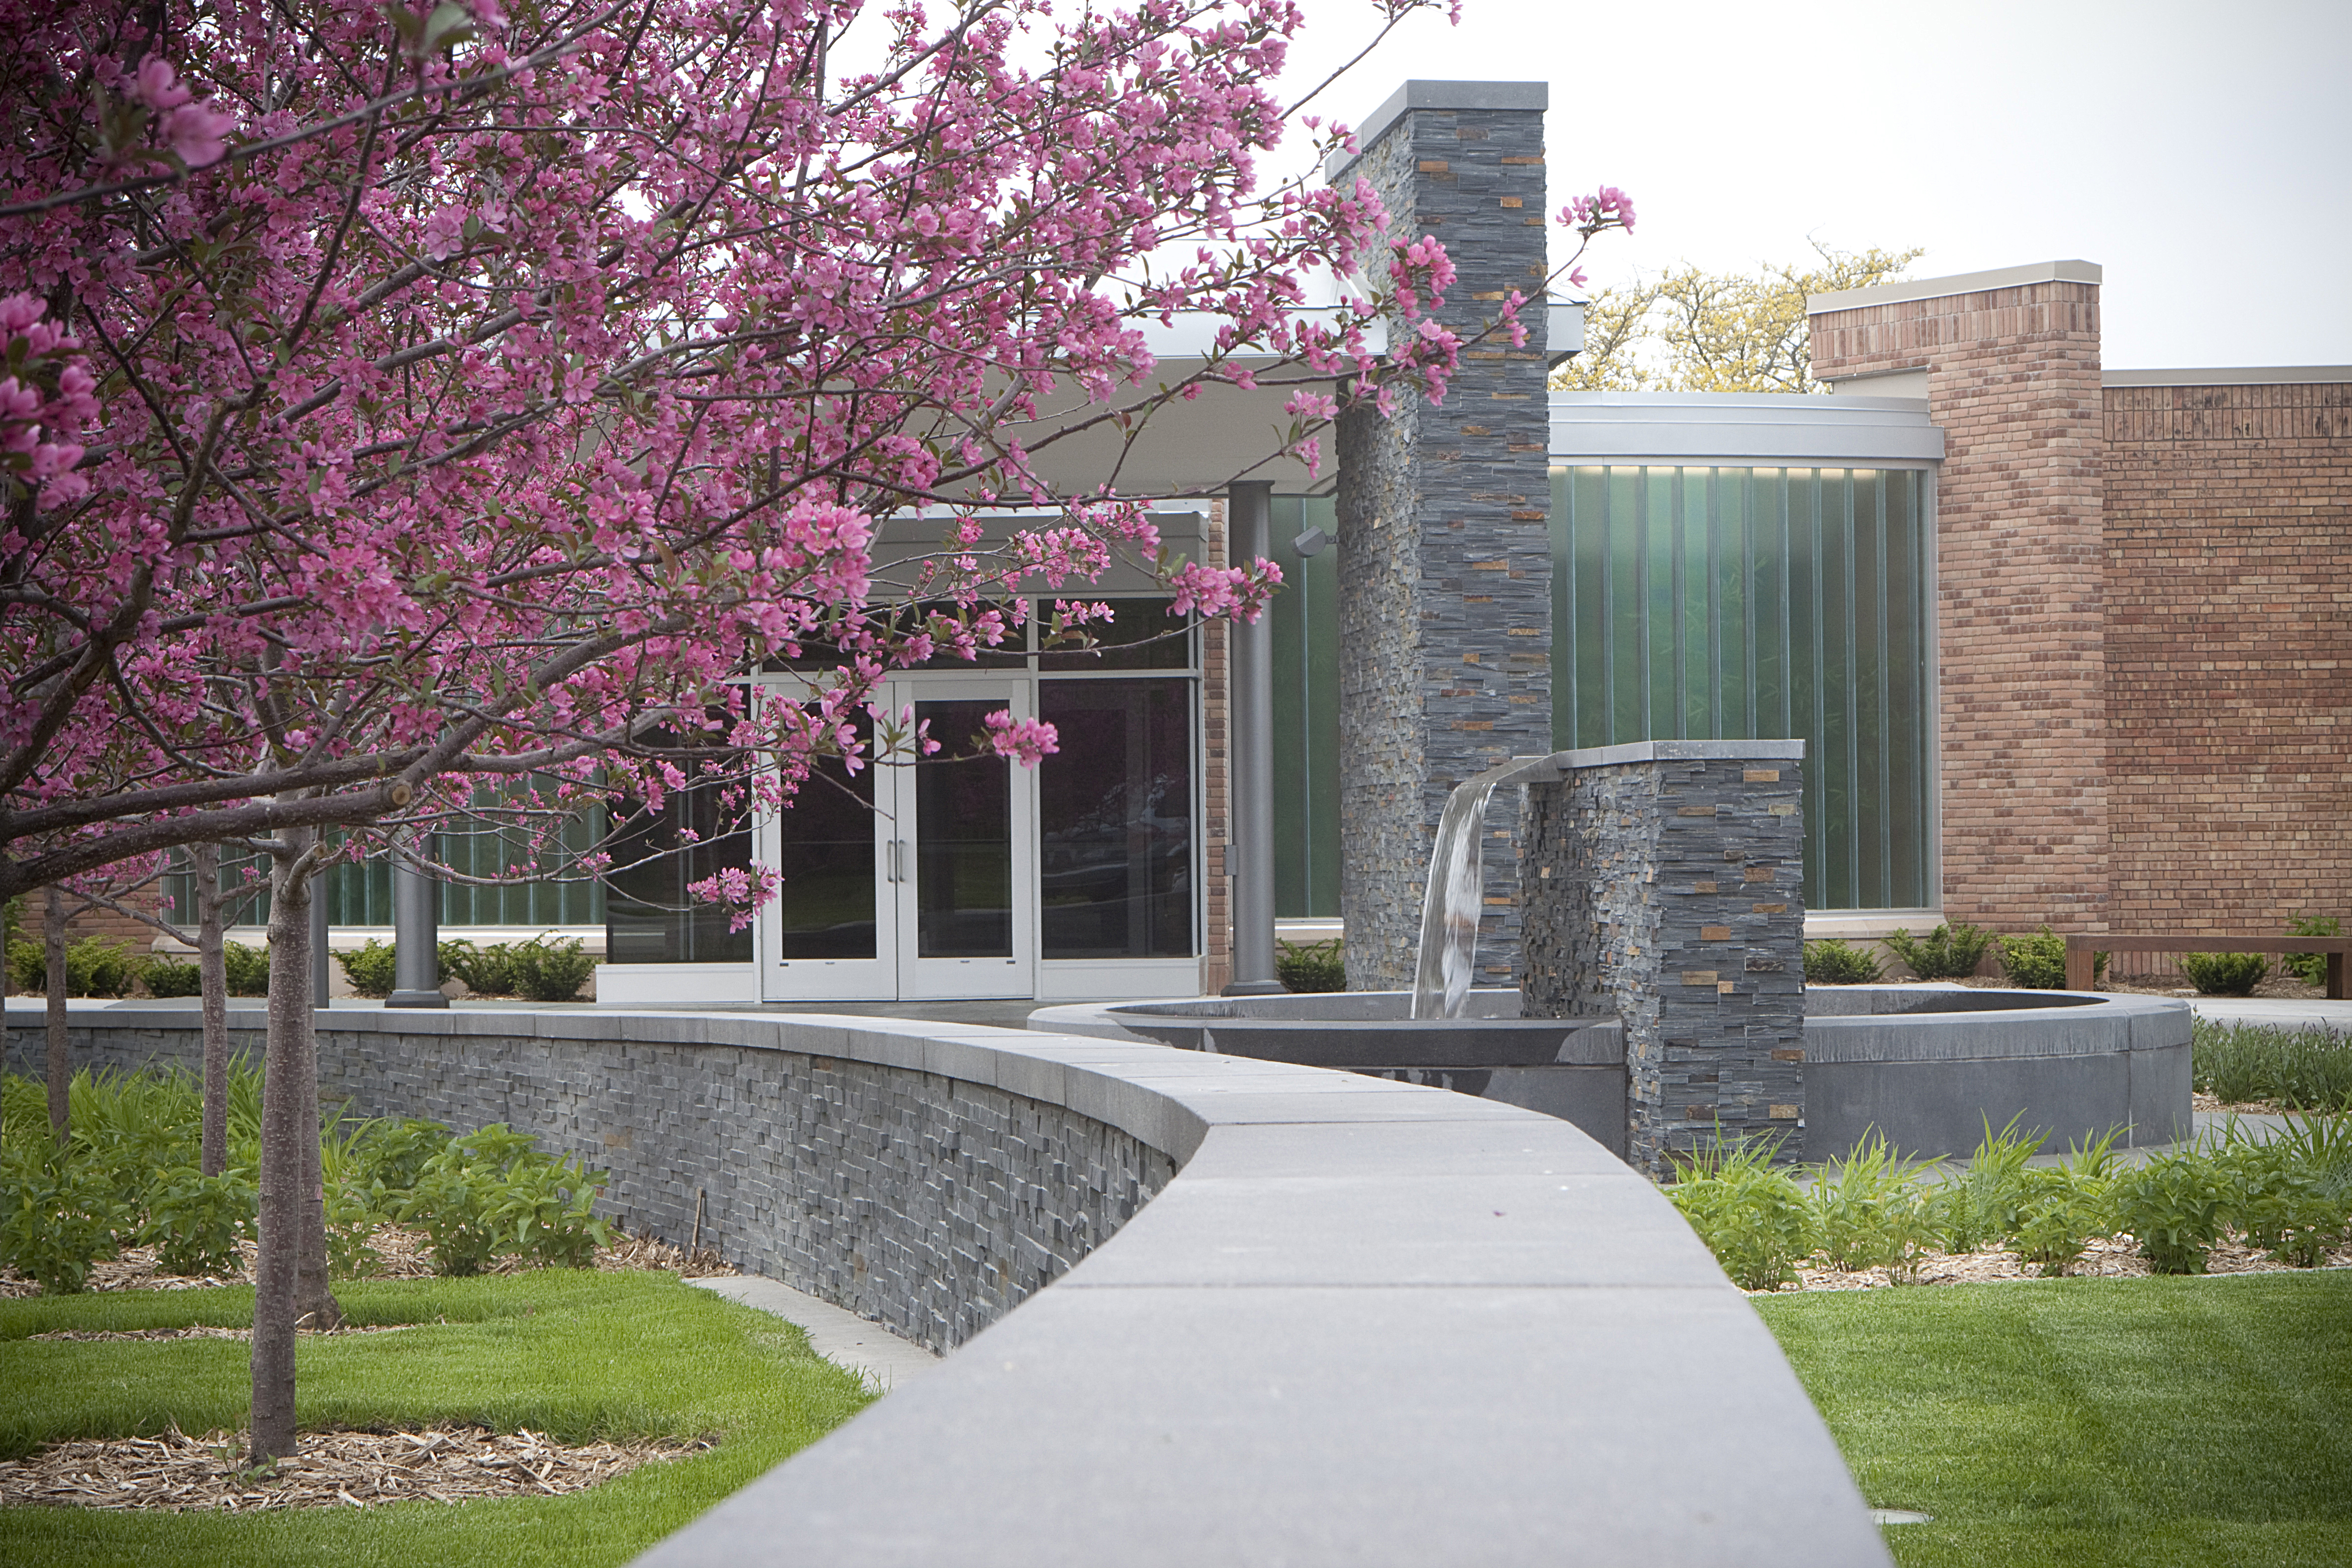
{"x": 402, "y": 401}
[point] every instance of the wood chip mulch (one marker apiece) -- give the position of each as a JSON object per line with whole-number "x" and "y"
{"x": 329, "y": 1469}
{"x": 2109, "y": 1257}
{"x": 401, "y": 1254}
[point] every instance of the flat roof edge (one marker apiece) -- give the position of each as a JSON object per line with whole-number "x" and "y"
{"x": 2242, "y": 375}
{"x": 1960, "y": 283}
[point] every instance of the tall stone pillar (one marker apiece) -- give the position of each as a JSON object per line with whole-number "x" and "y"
{"x": 1445, "y": 542}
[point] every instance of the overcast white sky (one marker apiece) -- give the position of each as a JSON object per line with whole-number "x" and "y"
{"x": 2200, "y": 153}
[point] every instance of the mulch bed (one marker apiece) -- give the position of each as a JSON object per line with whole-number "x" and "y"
{"x": 401, "y": 1254}
{"x": 330, "y": 1469}
{"x": 2108, "y": 1257}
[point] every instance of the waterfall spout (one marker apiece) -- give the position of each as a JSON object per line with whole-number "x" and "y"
{"x": 1454, "y": 897}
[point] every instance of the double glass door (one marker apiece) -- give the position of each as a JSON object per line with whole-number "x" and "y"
{"x": 909, "y": 882}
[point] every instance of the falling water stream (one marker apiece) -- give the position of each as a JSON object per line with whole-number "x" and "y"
{"x": 1454, "y": 897}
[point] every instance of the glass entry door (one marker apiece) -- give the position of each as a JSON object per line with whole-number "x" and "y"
{"x": 909, "y": 882}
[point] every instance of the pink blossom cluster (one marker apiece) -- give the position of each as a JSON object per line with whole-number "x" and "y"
{"x": 477, "y": 410}
{"x": 1025, "y": 740}
{"x": 45, "y": 399}
{"x": 741, "y": 891}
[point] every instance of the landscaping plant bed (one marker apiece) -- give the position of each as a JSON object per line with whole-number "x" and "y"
{"x": 333, "y": 1470}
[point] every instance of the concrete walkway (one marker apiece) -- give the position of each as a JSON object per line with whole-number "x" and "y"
{"x": 843, "y": 1338}
{"x": 2273, "y": 1011}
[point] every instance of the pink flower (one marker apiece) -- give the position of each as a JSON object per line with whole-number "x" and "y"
{"x": 198, "y": 134}
{"x": 1024, "y": 739}
{"x": 155, "y": 85}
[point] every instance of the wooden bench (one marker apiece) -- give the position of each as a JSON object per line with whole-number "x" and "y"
{"x": 2079, "y": 949}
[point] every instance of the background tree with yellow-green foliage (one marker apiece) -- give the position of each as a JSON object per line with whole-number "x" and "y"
{"x": 1689, "y": 330}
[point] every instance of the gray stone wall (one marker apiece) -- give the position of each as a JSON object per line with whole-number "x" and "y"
{"x": 926, "y": 1203}
{"x": 1665, "y": 883}
{"x": 1445, "y": 551}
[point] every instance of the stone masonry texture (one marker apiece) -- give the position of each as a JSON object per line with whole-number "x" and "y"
{"x": 1445, "y": 565}
{"x": 2013, "y": 378}
{"x": 2229, "y": 567}
{"x": 928, "y": 1203}
{"x": 1671, "y": 893}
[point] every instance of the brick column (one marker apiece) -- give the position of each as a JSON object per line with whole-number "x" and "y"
{"x": 1444, "y": 549}
{"x": 2012, "y": 363}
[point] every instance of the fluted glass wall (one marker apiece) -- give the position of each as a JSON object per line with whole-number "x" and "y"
{"x": 1759, "y": 602}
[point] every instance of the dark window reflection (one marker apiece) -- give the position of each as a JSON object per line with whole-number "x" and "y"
{"x": 1116, "y": 807}
{"x": 826, "y": 905}
{"x": 649, "y": 917}
{"x": 964, "y": 841}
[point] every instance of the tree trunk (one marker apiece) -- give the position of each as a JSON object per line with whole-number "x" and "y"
{"x": 53, "y": 939}
{"x": 212, "y": 968}
{"x": 289, "y": 1156}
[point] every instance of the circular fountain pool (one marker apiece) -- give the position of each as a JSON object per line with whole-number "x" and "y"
{"x": 1927, "y": 1066}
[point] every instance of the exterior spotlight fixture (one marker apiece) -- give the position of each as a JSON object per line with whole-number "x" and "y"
{"x": 1311, "y": 542}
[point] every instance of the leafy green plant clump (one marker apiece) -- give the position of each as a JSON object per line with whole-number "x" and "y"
{"x": 2038, "y": 961}
{"x": 370, "y": 967}
{"x": 543, "y": 969}
{"x": 2225, "y": 973}
{"x": 172, "y": 977}
{"x": 1830, "y": 962}
{"x": 2296, "y": 1070}
{"x": 1311, "y": 965}
{"x": 94, "y": 967}
{"x": 2311, "y": 968}
{"x": 248, "y": 969}
{"x": 1751, "y": 1215}
{"x": 1947, "y": 952}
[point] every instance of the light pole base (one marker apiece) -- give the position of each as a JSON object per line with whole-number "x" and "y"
{"x": 416, "y": 999}
{"x": 1255, "y": 988}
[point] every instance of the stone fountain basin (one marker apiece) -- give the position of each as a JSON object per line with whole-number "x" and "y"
{"x": 1929, "y": 1067}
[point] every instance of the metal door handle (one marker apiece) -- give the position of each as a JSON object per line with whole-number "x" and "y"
{"x": 898, "y": 866}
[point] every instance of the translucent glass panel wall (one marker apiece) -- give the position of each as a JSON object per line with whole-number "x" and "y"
{"x": 1306, "y": 635}
{"x": 1738, "y": 603}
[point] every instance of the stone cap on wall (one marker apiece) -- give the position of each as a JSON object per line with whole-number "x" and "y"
{"x": 1960, "y": 283}
{"x": 1440, "y": 96}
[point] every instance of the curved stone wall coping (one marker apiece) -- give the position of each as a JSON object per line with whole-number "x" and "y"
{"x": 1367, "y": 1323}
{"x": 2116, "y": 1023}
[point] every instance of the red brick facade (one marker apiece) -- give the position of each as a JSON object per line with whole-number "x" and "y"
{"x": 2013, "y": 378}
{"x": 2229, "y": 556}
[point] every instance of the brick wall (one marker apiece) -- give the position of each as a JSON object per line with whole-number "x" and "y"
{"x": 2228, "y": 534}
{"x": 2013, "y": 378}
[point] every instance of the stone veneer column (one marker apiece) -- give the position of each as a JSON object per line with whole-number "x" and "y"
{"x": 1444, "y": 549}
{"x": 1665, "y": 884}
{"x": 2012, "y": 363}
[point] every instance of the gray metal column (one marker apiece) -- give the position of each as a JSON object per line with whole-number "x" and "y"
{"x": 1249, "y": 854}
{"x": 415, "y": 935}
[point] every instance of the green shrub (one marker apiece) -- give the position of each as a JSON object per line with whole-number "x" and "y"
{"x": 2174, "y": 1206}
{"x": 1984, "y": 1202}
{"x": 547, "y": 970}
{"x": 1751, "y": 1215}
{"x": 2038, "y": 963}
{"x": 2225, "y": 973}
{"x": 59, "y": 1215}
{"x": 1947, "y": 952}
{"x": 195, "y": 1221}
{"x": 491, "y": 1191}
{"x": 94, "y": 967}
{"x": 1863, "y": 1207}
{"x": 370, "y": 967}
{"x": 487, "y": 970}
{"x": 1829, "y": 962}
{"x": 247, "y": 967}
{"x": 171, "y": 977}
{"x": 2311, "y": 968}
{"x": 1312, "y": 966}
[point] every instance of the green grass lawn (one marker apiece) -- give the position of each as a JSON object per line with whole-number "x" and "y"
{"x": 573, "y": 1354}
{"x": 2141, "y": 1422}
